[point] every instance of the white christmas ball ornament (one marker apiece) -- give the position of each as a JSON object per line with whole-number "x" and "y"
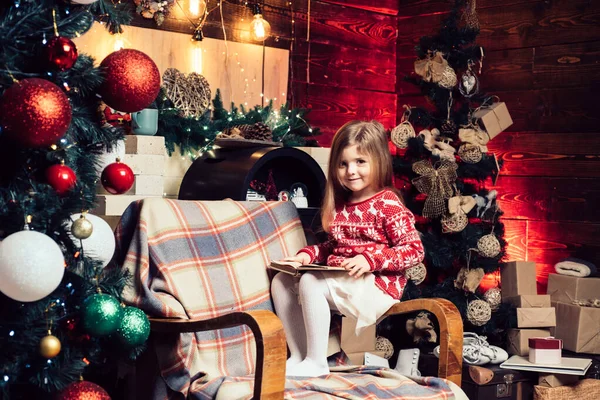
{"x": 31, "y": 266}
{"x": 83, "y": 1}
{"x": 101, "y": 244}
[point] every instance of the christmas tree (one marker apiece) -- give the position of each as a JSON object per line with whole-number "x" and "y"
{"x": 61, "y": 318}
{"x": 444, "y": 170}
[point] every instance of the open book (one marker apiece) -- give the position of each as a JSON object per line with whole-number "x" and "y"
{"x": 295, "y": 268}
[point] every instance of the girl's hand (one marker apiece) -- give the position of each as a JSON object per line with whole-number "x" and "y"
{"x": 356, "y": 266}
{"x": 302, "y": 258}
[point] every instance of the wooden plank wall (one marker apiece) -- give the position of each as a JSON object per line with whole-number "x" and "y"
{"x": 347, "y": 70}
{"x": 543, "y": 60}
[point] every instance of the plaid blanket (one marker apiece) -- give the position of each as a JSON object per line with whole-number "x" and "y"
{"x": 202, "y": 259}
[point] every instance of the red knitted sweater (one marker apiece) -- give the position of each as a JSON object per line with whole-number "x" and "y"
{"x": 382, "y": 230}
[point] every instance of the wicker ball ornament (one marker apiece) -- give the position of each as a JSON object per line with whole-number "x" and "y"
{"x": 401, "y": 133}
{"x": 189, "y": 93}
{"x": 470, "y": 153}
{"x": 131, "y": 80}
{"x": 489, "y": 246}
{"x": 449, "y": 78}
{"x": 453, "y": 223}
{"x": 493, "y": 297}
{"x": 417, "y": 273}
{"x": 479, "y": 312}
{"x": 384, "y": 344}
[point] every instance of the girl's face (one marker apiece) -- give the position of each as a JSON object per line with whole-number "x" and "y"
{"x": 355, "y": 173}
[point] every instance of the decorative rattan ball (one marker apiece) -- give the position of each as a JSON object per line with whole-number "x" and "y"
{"x": 453, "y": 223}
{"x": 488, "y": 246}
{"x": 448, "y": 128}
{"x": 384, "y": 344}
{"x": 417, "y": 273}
{"x": 449, "y": 79}
{"x": 470, "y": 153}
{"x": 401, "y": 133}
{"x": 493, "y": 297}
{"x": 479, "y": 312}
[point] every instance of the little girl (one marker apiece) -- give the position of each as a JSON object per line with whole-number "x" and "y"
{"x": 371, "y": 235}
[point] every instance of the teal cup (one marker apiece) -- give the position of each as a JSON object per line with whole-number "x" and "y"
{"x": 145, "y": 122}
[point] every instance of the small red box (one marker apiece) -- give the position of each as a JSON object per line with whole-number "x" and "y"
{"x": 545, "y": 350}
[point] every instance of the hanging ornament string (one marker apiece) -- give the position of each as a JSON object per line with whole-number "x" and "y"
{"x": 450, "y": 102}
{"x": 226, "y": 51}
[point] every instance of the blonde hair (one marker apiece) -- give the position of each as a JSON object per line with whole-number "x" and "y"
{"x": 371, "y": 140}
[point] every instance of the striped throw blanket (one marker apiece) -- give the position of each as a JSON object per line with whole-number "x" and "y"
{"x": 202, "y": 259}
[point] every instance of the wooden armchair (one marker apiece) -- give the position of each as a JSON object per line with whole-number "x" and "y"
{"x": 271, "y": 350}
{"x": 199, "y": 270}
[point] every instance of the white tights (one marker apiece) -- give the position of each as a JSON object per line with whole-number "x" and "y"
{"x": 306, "y": 325}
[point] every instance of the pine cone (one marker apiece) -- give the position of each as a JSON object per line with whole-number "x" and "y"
{"x": 259, "y": 131}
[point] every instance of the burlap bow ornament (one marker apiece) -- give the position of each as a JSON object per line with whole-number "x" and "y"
{"x": 436, "y": 183}
{"x": 431, "y": 68}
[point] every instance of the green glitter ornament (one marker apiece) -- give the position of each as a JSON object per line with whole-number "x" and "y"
{"x": 101, "y": 314}
{"x": 135, "y": 327}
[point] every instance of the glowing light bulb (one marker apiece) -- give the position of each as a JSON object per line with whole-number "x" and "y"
{"x": 197, "y": 52}
{"x": 197, "y": 7}
{"x": 119, "y": 44}
{"x": 259, "y": 28}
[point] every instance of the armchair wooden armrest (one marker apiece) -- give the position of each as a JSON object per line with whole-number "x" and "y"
{"x": 451, "y": 333}
{"x": 271, "y": 350}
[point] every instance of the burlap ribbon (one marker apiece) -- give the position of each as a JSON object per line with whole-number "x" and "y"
{"x": 463, "y": 203}
{"x": 436, "y": 183}
{"x": 474, "y": 135}
{"x": 431, "y": 68}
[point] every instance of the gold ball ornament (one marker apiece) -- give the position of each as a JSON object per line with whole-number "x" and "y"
{"x": 479, "y": 312}
{"x": 383, "y": 344}
{"x": 489, "y": 246}
{"x": 50, "y": 346}
{"x": 417, "y": 274}
{"x": 493, "y": 297}
{"x": 82, "y": 228}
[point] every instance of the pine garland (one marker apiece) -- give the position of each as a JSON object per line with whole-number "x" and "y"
{"x": 196, "y": 135}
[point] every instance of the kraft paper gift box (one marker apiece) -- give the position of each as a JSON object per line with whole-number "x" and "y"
{"x": 518, "y": 278}
{"x": 495, "y": 118}
{"x": 555, "y": 380}
{"x": 578, "y": 327}
{"x": 565, "y": 288}
{"x": 529, "y": 301}
{"x": 518, "y": 340}
{"x": 536, "y": 317}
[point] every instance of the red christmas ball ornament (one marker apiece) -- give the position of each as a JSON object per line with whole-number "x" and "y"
{"x": 83, "y": 390}
{"x": 131, "y": 80}
{"x": 117, "y": 178}
{"x": 61, "y": 178}
{"x": 35, "y": 112}
{"x": 60, "y": 53}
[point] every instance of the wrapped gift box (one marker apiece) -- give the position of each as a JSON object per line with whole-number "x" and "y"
{"x": 536, "y": 317}
{"x": 556, "y": 380}
{"x": 546, "y": 350}
{"x": 529, "y": 301}
{"x": 578, "y": 327}
{"x": 495, "y": 118}
{"x": 565, "y": 288}
{"x": 518, "y": 278}
{"x": 518, "y": 340}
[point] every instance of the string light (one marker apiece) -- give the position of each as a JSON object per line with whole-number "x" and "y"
{"x": 197, "y": 7}
{"x": 119, "y": 43}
